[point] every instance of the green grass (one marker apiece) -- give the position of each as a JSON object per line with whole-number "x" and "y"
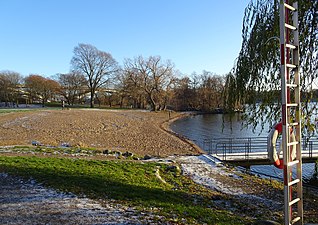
{"x": 52, "y": 150}
{"x": 131, "y": 183}
{"x": 13, "y": 110}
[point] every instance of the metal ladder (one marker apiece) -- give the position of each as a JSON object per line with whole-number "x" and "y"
{"x": 291, "y": 112}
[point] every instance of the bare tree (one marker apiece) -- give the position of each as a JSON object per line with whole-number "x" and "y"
{"x": 210, "y": 91}
{"x": 98, "y": 67}
{"x": 73, "y": 86}
{"x": 152, "y": 76}
{"x": 131, "y": 85}
{"x": 186, "y": 94}
{"x": 9, "y": 87}
{"x": 41, "y": 88}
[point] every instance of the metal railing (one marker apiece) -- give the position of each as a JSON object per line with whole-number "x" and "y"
{"x": 224, "y": 146}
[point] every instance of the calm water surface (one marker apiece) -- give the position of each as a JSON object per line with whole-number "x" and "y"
{"x": 200, "y": 127}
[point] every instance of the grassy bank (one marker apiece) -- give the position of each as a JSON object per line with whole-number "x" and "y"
{"x": 3, "y": 111}
{"x": 174, "y": 196}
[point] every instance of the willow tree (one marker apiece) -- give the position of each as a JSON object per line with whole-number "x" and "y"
{"x": 256, "y": 75}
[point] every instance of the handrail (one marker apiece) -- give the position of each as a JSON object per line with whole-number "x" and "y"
{"x": 248, "y": 145}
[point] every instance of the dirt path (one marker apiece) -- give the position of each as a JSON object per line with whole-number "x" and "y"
{"x": 139, "y": 132}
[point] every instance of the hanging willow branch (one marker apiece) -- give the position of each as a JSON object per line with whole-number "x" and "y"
{"x": 256, "y": 75}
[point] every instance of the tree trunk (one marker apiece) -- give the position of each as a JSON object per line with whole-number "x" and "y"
{"x": 153, "y": 103}
{"x": 121, "y": 102}
{"x": 92, "y": 99}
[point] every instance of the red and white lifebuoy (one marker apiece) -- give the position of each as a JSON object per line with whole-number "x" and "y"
{"x": 273, "y": 154}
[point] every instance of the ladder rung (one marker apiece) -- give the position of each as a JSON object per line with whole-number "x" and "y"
{"x": 290, "y": 46}
{"x": 292, "y": 143}
{"x": 293, "y": 182}
{"x": 291, "y": 65}
{"x": 291, "y": 104}
{"x": 292, "y": 85}
{"x": 293, "y": 163}
{"x": 289, "y": 7}
{"x": 290, "y": 26}
{"x": 294, "y": 201}
{"x": 295, "y": 220}
{"x": 293, "y": 124}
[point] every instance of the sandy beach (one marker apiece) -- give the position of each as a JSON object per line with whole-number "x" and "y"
{"x": 140, "y": 132}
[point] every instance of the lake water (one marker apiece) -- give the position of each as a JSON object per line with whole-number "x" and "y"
{"x": 208, "y": 126}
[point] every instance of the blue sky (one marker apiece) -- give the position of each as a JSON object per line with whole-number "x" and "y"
{"x": 38, "y": 36}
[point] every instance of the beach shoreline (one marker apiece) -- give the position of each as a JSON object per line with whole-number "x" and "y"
{"x": 136, "y": 131}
